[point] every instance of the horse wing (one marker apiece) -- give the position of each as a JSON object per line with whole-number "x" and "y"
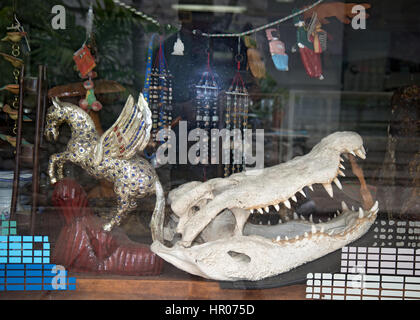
{"x": 129, "y": 134}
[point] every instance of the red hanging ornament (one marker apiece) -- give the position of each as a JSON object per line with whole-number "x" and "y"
{"x": 84, "y": 60}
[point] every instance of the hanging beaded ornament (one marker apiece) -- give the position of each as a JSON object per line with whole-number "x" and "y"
{"x": 206, "y": 102}
{"x": 158, "y": 91}
{"x": 236, "y": 116}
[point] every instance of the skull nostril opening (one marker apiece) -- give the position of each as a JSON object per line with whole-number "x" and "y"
{"x": 195, "y": 209}
{"x": 239, "y": 257}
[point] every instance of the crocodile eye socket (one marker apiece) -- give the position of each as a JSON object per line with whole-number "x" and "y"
{"x": 195, "y": 208}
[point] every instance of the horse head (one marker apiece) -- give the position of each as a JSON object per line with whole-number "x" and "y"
{"x": 54, "y": 118}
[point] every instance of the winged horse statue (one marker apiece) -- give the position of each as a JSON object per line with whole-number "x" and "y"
{"x": 112, "y": 156}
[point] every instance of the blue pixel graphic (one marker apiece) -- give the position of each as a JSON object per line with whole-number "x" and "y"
{"x": 25, "y": 263}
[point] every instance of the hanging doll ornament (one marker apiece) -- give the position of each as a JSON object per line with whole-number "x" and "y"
{"x": 317, "y": 35}
{"x": 277, "y": 50}
{"x": 236, "y": 118}
{"x": 89, "y": 102}
{"x": 310, "y": 58}
{"x": 255, "y": 60}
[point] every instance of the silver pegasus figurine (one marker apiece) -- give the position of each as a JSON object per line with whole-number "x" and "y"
{"x": 112, "y": 156}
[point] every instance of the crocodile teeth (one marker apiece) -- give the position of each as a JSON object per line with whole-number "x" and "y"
{"x": 302, "y": 217}
{"x": 341, "y": 166}
{"x": 344, "y": 206}
{"x": 302, "y": 193}
{"x": 374, "y": 207}
{"x": 338, "y": 184}
{"x": 341, "y": 173}
{"x": 328, "y": 188}
{"x": 251, "y": 210}
{"x": 311, "y": 219}
{"x": 260, "y": 210}
{"x": 360, "y": 154}
{"x": 295, "y": 216}
{"x": 287, "y": 204}
{"x": 352, "y": 208}
{"x": 278, "y": 238}
{"x": 297, "y": 237}
{"x": 269, "y": 222}
{"x": 294, "y": 198}
{"x": 322, "y": 229}
{"x": 361, "y": 213}
{"x": 277, "y": 207}
{"x": 305, "y": 234}
{"x": 287, "y": 238}
{"x": 310, "y": 187}
{"x": 267, "y": 209}
{"x": 280, "y": 221}
{"x": 331, "y": 233}
{"x": 341, "y": 159}
{"x": 352, "y": 152}
{"x": 313, "y": 229}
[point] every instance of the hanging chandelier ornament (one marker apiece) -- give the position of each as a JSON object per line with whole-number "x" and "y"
{"x": 236, "y": 118}
{"x": 206, "y": 106}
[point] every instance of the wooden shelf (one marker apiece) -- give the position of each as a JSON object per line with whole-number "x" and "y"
{"x": 173, "y": 284}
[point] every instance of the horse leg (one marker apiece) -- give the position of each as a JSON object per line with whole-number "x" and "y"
{"x": 60, "y": 164}
{"x": 123, "y": 207}
{"x": 56, "y": 158}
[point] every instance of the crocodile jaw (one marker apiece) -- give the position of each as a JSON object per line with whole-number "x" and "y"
{"x": 255, "y": 257}
{"x": 260, "y": 189}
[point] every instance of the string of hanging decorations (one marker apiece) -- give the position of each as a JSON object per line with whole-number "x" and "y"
{"x": 137, "y": 12}
{"x": 220, "y": 35}
{"x": 266, "y": 26}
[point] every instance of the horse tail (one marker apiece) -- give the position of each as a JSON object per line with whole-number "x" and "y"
{"x": 156, "y": 224}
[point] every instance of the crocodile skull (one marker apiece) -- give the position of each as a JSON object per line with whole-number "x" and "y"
{"x": 210, "y": 234}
